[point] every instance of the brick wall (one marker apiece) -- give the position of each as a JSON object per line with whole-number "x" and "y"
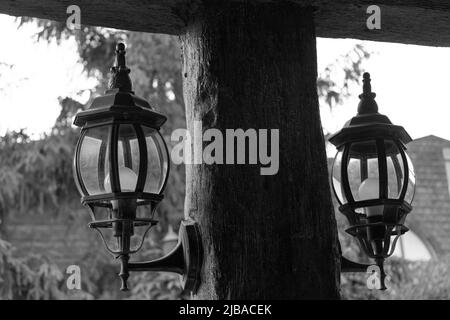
{"x": 65, "y": 239}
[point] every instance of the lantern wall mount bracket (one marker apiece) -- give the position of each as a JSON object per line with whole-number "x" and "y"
{"x": 185, "y": 259}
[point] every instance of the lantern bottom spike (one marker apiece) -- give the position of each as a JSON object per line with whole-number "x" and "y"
{"x": 124, "y": 271}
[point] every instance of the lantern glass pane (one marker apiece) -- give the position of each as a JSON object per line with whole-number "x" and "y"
{"x": 409, "y": 196}
{"x": 93, "y": 159}
{"x": 157, "y": 167}
{"x": 394, "y": 169}
{"x": 362, "y": 170}
{"x": 354, "y": 176}
{"x": 128, "y": 158}
{"x": 336, "y": 178}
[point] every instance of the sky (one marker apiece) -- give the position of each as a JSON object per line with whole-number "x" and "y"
{"x": 411, "y": 82}
{"x": 40, "y": 74}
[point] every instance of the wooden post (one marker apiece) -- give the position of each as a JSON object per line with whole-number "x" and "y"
{"x": 265, "y": 236}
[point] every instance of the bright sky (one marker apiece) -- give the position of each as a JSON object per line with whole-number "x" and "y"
{"x": 41, "y": 73}
{"x": 411, "y": 82}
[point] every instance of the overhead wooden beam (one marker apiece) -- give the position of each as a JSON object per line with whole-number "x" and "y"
{"x": 157, "y": 16}
{"x": 422, "y": 22}
{"x": 419, "y": 22}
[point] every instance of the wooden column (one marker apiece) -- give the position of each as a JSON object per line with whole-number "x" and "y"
{"x": 265, "y": 236}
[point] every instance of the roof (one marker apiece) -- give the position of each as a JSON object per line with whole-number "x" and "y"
{"x": 430, "y": 138}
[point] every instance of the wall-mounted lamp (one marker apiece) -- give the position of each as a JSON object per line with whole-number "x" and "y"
{"x": 373, "y": 180}
{"x": 121, "y": 167}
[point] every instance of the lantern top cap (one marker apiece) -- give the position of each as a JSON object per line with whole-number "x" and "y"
{"x": 368, "y": 123}
{"x": 119, "y": 102}
{"x": 367, "y": 105}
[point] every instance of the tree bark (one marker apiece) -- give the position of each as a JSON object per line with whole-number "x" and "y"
{"x": 264, "y": 236}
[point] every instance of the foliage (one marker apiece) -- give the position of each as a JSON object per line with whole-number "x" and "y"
{"x": 154, "y": 285}
{"x": 426, "y": 280}
{"x": 35, "y": 277}
{"x": 32, "y": 277}
{"x": 418, "y": 280}
{"x": 335, "y": 83}
{"x": 38, "y": 174}
{"x": 103, "y": 283}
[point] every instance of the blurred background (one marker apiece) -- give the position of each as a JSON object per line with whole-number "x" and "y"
{"x": 48, "y": 73}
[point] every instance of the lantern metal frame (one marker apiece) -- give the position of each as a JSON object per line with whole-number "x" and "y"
{"x": 120, "y": 106}
{"x": 373, "y": 233}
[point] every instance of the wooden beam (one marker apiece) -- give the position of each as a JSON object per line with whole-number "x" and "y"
{"x": 402, "y": 21}
{"x": 422, "y": 22}
{"x": 157, "y": 16}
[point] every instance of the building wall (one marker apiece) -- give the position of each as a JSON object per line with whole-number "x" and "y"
{"x": 64, "y": 239}
{"x": 430, "y": 217}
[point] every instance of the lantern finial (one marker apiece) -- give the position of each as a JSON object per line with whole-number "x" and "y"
{"x": 367, "y": 88}
{"x": 120, "y": 78}
{"x": 367, "y": 105}
{"x": 120, "y": 55}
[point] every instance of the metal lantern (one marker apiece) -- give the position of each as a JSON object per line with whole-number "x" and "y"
{"x": 121, "y": 167}
{"x": 373, "y": 178}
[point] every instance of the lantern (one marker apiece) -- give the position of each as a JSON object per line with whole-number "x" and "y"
{"x": 373, "y": 178}
{"x": 121, "y": 167}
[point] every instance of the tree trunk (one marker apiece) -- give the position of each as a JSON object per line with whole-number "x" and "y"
{"x": 264, "y": 236}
